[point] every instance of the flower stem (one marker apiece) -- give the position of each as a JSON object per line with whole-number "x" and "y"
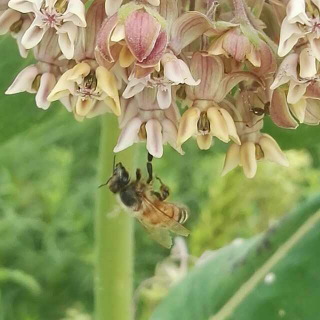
{"x": 113, "y": 236}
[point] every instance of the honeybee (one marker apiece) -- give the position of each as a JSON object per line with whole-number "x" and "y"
{"x": 156, "y": 215}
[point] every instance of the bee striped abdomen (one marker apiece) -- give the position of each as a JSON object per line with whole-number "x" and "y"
{"x": 183, "y": 215}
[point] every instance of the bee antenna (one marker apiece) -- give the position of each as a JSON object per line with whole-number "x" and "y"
{"x": 104, "y": 184}
{"x": 114, "y": 163}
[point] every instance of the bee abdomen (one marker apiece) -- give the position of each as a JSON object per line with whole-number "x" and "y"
{"x": 183, "y": 215}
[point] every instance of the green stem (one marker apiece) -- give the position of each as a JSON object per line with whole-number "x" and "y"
{"x": 113, "y": 236}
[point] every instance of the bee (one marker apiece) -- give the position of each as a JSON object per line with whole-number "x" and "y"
{"x": 150, "y": 207}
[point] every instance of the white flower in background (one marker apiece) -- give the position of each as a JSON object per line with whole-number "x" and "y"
{"x": 65, "y": 16}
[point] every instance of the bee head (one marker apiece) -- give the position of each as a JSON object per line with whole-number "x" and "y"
{"x": 119, "y": 179}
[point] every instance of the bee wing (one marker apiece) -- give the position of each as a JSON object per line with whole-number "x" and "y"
{"x": 170, "y": 223}
{"x": 160, "y": 235}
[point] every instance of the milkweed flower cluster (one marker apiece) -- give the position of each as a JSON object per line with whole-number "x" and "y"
{"x": 172, "y": 70}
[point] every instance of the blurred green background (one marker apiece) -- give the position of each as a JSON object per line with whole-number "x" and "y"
{"x": 48, "y": 185}
{"x": 47, "y": 190}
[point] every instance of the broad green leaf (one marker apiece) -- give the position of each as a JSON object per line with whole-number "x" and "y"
{"x": 18, "y": 112}
{"x": 262, "y": 278}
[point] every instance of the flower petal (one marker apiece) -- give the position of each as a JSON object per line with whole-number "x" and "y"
{"x": 75, "y": 13}
{"x": 47, "y": 83}
{"x": 23, "y": 81}
{"x": 107, "y": 82}
{"x": 279, "y": 111}
{"x": 232, "y": 159}
{"x": 63, "y": 88}
{"x": 164, "y": 97}
{"x": 129, "y": 135}
{"x": 7, "y": 19}
{"x": 272, "y": 151}
{"x": 299, "y": 109}
{"x": 84, "y": 106}
{"x": 142, "y": 31}
{"x": 248, "y": 159}
{"x": 218, "y": 126}
{"x": 170, "y": 133}
{"x": 308, "y": 67}
{"x": 188, "y": 125}
{"x": 154, "y": 138}
{"x": 204, "y": 141}
{"x": 32, "y": 36}
{"x": 230, "y": 125}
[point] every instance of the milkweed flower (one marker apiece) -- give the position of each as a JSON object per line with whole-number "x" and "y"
{"x": 206, "y": 117}
{"x": 143, "y": 120}
{"x": 255, "y": 145}
{"x": 65, "y": 16}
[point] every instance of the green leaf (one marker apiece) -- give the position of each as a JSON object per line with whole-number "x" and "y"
{"x": 233, "y": 285}
{"x": 21, "y": 278}
{"x": 18, "y": 112}
{"x": 303, "y": 137}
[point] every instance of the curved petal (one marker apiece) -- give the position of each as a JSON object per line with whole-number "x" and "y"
{"x": 129, "y": 135}
{"x": 107, "y": 82}
{"x": 299, "y": 109}
{"x": 218, "y": 126}
{"x": 66, "y": 37}
{"x": 188, "y": 125}
{"x": 272, "y": 151}
{"x": 32, "y": 36}
{"x": 230, "y": 125}
{"x": 24, "y": 6}
{"x": 63, "y": 88}
{"x": 75, "y": 13}
{"x": 7, "y": 19}
{"x": 232, "y": 159}
{"x": 289, "y": 36}
{"x": 170, "y": 134}
{"x": 47, "y": 83}
{"x": 164, "y": 97}
{"x": 296, "y": 91}
{"x": 112, "y": 6}
{"x": 154, "y": 138}
{"x": 204, "y": 141}
{"x": 248, "y": 159}
{"x": 23, "y": 81}
{"x": 84, "y": 106}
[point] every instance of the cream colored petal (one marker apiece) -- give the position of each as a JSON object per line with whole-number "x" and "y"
{"x": 63, "y": 87}
{"x": 218, "y": 126}
{"x": 216, "y": 47}
{"x": 188, "y": 125}
{"x": 107, "y": 82}
{"x": 254, "y": 57}
{"x": 230, "y": 125}
{"x": 78, "y": 72}
{"x": 296, "y": 12}
{"x": 289, "y": 36}
{"x": 299, "y": 109}
{"x": 112, "y": 6}
{"x": 204, "y": 141}
{"x": 32, "y": 36}
{"x": 272, "y": 151}
{"x": 308, "y": 66}
{"x": 248, "y": 159}
{"x": 112, "y": 106}
{"x": 118, "y": 33}
{"x": 126, "y": 58}
{"x": 84, "y": 106}
{"x": 296, "y": 91}
{"x": 232, "y": 159}
{"x": 75, "y": 13}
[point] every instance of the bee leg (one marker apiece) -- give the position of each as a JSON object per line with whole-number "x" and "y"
{"x": 164, "y": 190}
{"x": 150, "y": 172}
{"x": 150, "y": 157}
{"x": 138, "y": 174}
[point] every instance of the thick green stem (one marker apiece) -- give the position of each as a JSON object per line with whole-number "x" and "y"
{"x": 113, "y": 236}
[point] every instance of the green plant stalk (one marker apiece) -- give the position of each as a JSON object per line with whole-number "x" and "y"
{"x": 113, "y": 236}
